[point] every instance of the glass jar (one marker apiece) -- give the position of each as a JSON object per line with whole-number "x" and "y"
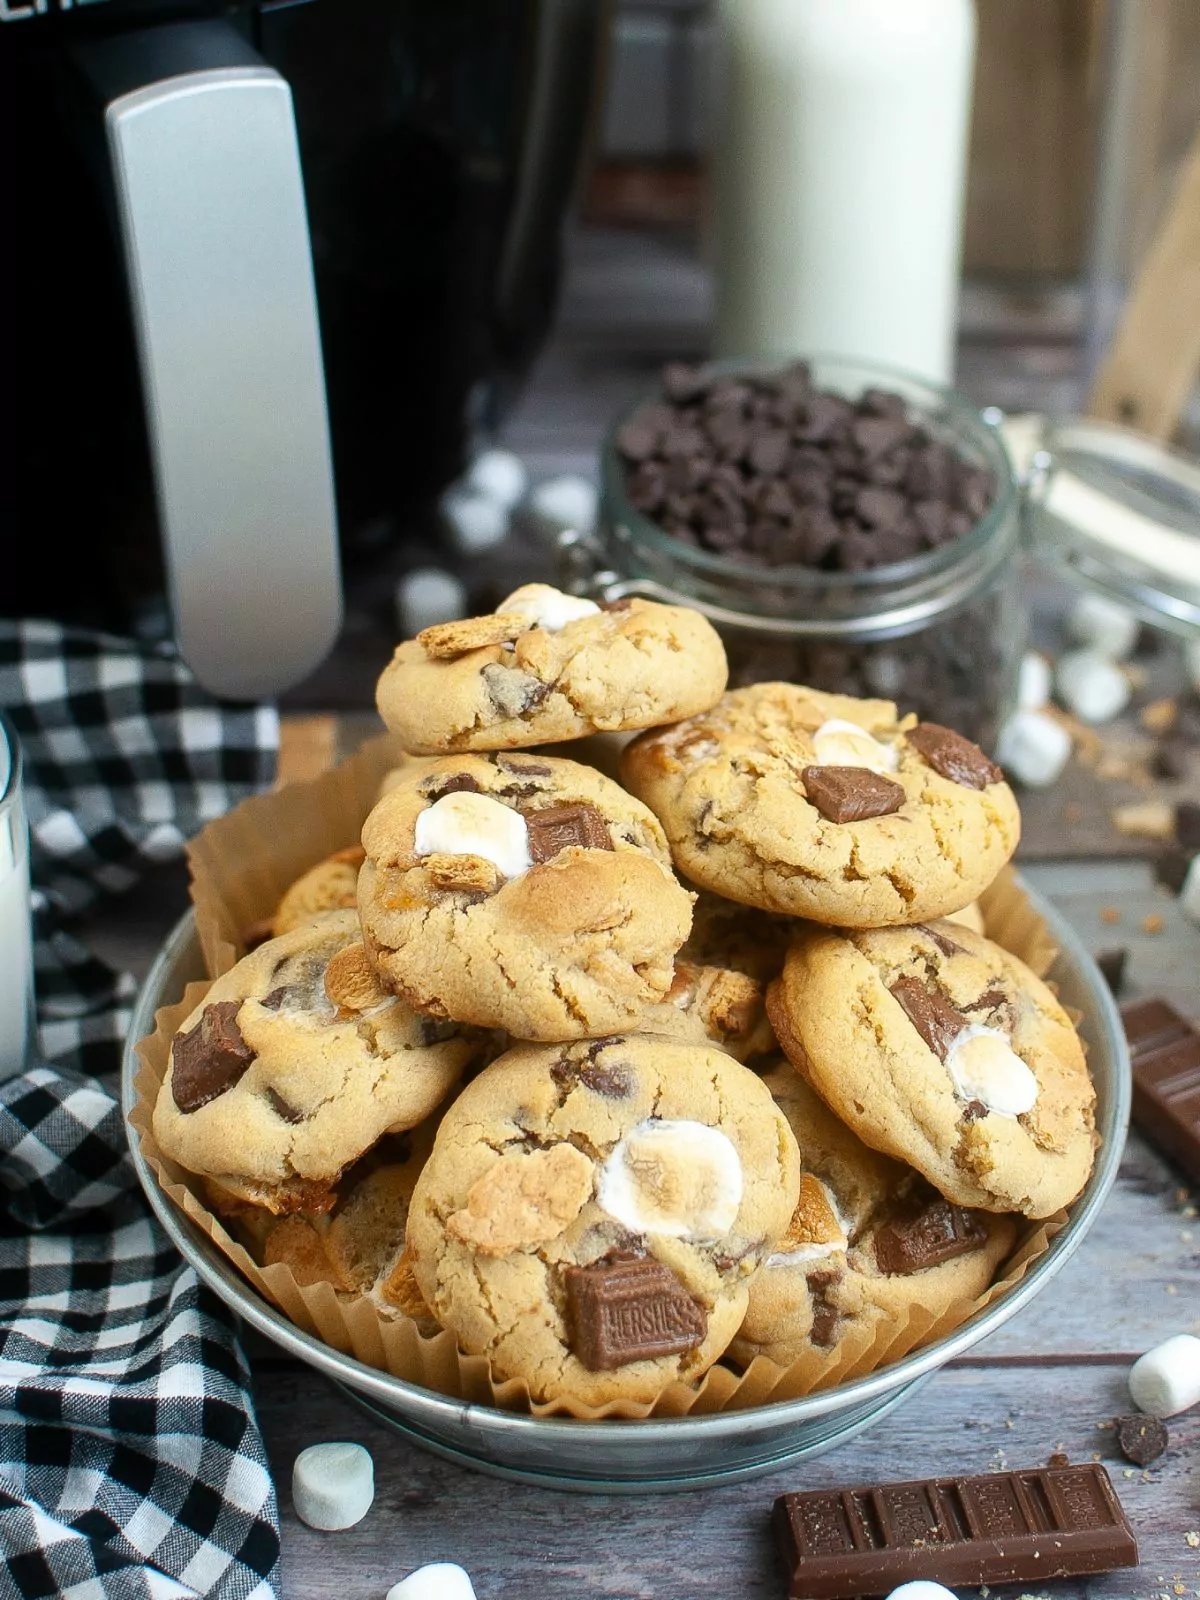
{"x": 941, "y": 634}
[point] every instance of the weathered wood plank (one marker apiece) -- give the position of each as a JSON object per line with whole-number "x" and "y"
{"x": 517, "y": 1540}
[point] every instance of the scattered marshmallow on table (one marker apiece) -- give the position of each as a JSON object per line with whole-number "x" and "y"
{"x": 441, "y": 1580}
{"x": 426, "y": 596}
{"x": 333, "y": 1485}
{"x": 1103, "y": 625}
{"x": 1091, "y": 686}
{"x": 921, "y": 1589}
{"x": 567, "y": 501}
{"x": 1033, "y": 748}
{"x": 1166, "y": 1380}
{"x": 474, "y": 521}
{"x": 500, "y": 475}
{"x": 1035, "y": 680}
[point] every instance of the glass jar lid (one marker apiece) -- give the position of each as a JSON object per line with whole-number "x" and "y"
{"x": 1113, "y": 510}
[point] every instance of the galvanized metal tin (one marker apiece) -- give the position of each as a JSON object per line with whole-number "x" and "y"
{"x": 688, "y": 1452}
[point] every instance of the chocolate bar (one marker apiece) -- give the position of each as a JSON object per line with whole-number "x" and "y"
{"x": 1165, "y": 1051}
{"x": 1001, "y": 1527}
{"x": 555, "y": 828}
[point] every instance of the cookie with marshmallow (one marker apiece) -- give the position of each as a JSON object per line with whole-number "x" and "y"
{"x": 529, "y": 894}
{"x": 826, "y": 807}
{"x": 593, "y": 1213}
{"x": 868, "y": 1243}
{"x": 546, "y": 667}
{"x": 942, "y": 1050}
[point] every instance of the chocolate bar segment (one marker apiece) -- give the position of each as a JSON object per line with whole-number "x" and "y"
{"x": 953, "y": 757}
{"x": 925, "y": 1237}
{"x": 934, "y": 1018}
{"x": 1165, "y": 1051}
{"x": 851, "y": 794}
{"x": 209, "y": 1059}
{"x": 1001, "y": 1527}
{"x": 631, "y": 1310}
{"x": 555, "y": 828}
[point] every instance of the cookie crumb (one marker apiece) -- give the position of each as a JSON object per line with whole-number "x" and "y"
{"x": 1192, "y": 1540}
{"x": 1152, "y": 923}
{"x": 1110, "y": 914}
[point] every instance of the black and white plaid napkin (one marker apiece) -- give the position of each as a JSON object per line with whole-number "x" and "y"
{"x": 130, "y": 1459}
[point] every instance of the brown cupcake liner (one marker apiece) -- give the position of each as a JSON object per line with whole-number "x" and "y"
{"x": 241, "y": 864}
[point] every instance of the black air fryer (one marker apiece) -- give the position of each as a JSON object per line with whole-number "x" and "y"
{"x": 268, "y": 268}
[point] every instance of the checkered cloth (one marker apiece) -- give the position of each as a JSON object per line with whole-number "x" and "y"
{"x": 130, "y": 1460}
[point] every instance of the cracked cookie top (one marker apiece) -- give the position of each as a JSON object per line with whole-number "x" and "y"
{"x": 295, "y": 1063}
{"x": 546, "y": 667}
{"x": 592, "y": 1213}
{"x": 521, "y": 892}
{"x": 943, "y": 1050}
{"x": 826, "y": 807}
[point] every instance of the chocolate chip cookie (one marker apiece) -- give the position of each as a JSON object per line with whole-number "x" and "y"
{"x": 532, "y": 895}
{"x": 941, "y": 1049}
{"x": 292, "y": 1066}
{"x": 826, "y": 807}
{"x": 592, "y": 1213}
{"x": 868, "y": 1243}
{"x": 547, "y": 667}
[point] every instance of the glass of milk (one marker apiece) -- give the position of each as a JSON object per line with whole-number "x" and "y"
{"x": 16, "y": 934}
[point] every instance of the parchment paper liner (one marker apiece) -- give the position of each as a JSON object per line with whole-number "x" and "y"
{"x": 241, "y": 864}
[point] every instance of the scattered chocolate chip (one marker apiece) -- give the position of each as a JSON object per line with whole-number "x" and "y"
{"x": 973, "y": 1111}
{"x": 934, "y": 1018}
{"x": 991, "y": 997}
{"x": 528, "y": 769}
{"x": 947, "y": 945}
{"x": 954, "y": 757}
{"x": 211, "y": 1058}
{"x": 614, "y": 1080}
{"x": 1142, "y": 1439}
{"x": 277, "y": 999}
{"x": 556, "y": 828}
{"x": 620, "y": 1311}
{"x": 926, "y": 1235}
{"x": 1112, "y": 967}
{"x": 437, "y": 787}
{"x": 282, "y": 1109}
{"x": 513, "y": 691}
{"x": 851, "y": 794}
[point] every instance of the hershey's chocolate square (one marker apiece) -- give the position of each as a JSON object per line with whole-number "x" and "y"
{"x": 211, "y": 1058}
{"x": 934, "y": 1018}
{"x": 924, "y": 1238}
{"x": 954, "y": 757}
{"x": 555, "y": 828}
{"x": 851, "y": 794}
{"x": 634, "y": 1310}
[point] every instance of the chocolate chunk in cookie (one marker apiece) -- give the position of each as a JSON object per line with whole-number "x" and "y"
{"x": 922, "y": 1238}
{"x": 556, "y": 828}
{"x": 211, "y": 1058}
{"x": 624, "y": 1311}
{"x": 851, "y": 794}
{"x": 954, "y": 757}
{"x": 934, "y": 1018}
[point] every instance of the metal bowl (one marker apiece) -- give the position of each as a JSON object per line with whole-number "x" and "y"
{"x": 687, "y": 1452}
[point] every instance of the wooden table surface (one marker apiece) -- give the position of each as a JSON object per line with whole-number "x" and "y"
{"x": 1050, "y": 1380}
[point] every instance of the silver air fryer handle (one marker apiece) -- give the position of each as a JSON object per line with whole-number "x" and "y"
{"x": 210, "y": 206}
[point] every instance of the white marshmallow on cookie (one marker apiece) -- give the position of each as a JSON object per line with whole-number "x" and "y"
{"x": 839, "y": 743}
{"x": 467, "y": 824}
{"x": 547, "y": 607}
{"x": 985, "y": 1067}
{"x": 679, "y": 1179}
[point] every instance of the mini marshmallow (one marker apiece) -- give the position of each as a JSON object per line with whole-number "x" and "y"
{"x": 1033, "y": 748}
{"x": 1034, "y": 681}
{"x": 547, "y": 607}
{"x": 838, "y": 743}
{"x": 1189, "y": 891}
{"x": 466, "y": 824}
{"x": 566, "y": 502}
{"x": 427, "y": 596}
{"x": 440, "y": 1580}
{"x": 1166, "y": 1380}
{"x": 499, "y": 475}
{"x": 1103, "y": 625}
{"x": 1091, "y": 686}
{"x": 921, "y": 1589}
{"x": 333, "y": 1485}
{"x": 680, "y": 1179}
{"x": 474, "y": 521}
{"x": 985, "y": 1067}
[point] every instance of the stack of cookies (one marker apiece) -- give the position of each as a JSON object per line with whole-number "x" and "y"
{"x": 691, "y": 1053}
